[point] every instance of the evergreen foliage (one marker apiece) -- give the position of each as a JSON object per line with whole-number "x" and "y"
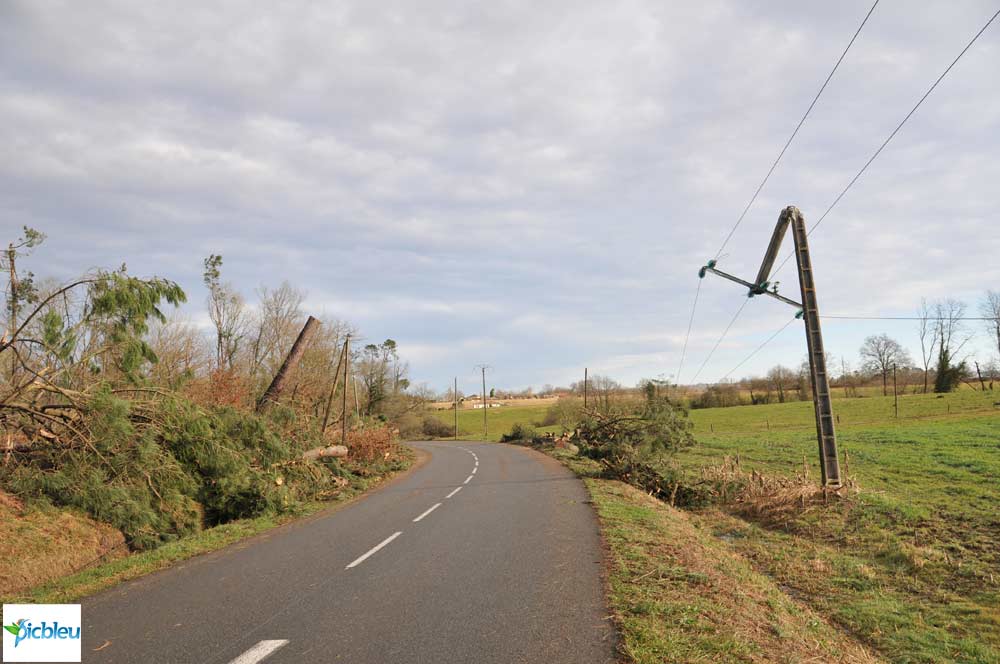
{"x": 948, "y": 376}
{"x": 173, "y": 469}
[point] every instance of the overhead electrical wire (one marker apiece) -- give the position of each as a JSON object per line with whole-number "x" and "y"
{"x": 763, "y": 182}
{"x": 795, "y": 132}
{"x": 876, "y": 153}
{"x": 840, "y": 317}
{"x": 717, "y": 343}
{"x": 687, "y": 336}
{"x": 893, "y": 134}
{"x": 758, "y": 348}
{"x": 935, "y": 318}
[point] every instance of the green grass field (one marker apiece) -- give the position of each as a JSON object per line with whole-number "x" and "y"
{"x": 909, "y": 565}
{"x": 499, "y": 420}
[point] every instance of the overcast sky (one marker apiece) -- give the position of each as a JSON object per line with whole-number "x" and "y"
{"x": 531, "y": 185}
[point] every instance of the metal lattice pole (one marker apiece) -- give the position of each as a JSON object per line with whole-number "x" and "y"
{"x": 825, "y": 432}
{"x": 819, "y": 378}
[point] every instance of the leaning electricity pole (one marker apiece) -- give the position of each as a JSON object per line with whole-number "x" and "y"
{"x": 455, "y": 394}
{"x": 347, "y": 372}
{"x": 585, "y": 388}
{"x": 333, "y": 392}
{"x": 809, "y": 311}
{"x": 486, "y": 429}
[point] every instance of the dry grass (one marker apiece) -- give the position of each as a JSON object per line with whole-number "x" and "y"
{"x": 37, "y": 545}
{"x": 770, "y": 498}
{"x": 681, "y": 595}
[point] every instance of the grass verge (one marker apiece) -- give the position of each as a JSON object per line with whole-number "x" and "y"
{"x": 678, "y": 594}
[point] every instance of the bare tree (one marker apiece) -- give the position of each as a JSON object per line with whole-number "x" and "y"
{"x": 275, "y": 326}
{"x": 926, "y": 332}
{"x": 182, "y": 353}
{"x": 382, "y": 374}
{"x": 781, "y": 378}
{"x": 879, "y": 353}
{"x": 226, "y": 311}
{"x": 990, "y": 309}
{"x": 847, "y": 379}
{"x": 605, "y": 390}
{"x": 951, "y": 337}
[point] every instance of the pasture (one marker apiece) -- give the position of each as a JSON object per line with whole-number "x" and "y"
{"x": 908, "y": 562}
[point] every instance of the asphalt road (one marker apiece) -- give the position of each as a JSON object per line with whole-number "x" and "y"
{"x": 485, "y": 553}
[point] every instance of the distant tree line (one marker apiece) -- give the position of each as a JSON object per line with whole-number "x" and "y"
{"x": 943, "y": 333}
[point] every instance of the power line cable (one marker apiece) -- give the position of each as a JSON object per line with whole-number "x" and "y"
{"x": 724, "y": 333}
{"x": 758, "y": 348}
{"x": 894, "y": 132}
{"x": 763, "y": 182}
{"x": 680, "y": 366}
{"x": 972, "y": 318}
{"x": 839, "y": 317}
{"x": 791, "y": 138}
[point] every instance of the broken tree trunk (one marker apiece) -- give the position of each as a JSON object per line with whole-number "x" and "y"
{"x": 273, "y": 392}
{"x": 321, "y": 452}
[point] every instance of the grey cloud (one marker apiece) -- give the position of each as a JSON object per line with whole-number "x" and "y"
{"x": 565, "y": 166}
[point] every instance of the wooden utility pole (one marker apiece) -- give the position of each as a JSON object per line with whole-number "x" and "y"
{"x": 486, "y": 426}
{"x": 895, "y": 395}
{"x": 277, "y": 386}
{"x": 333, "y": 390}
{"x": 486, "y": 429}
{"x": 585, "y": 388}
{"x": 829, "y": 461}
{"x": 12, "y": 306}
{"x": 357, "y": 404}
{"x": 347, "y": 369}
{"x": 455, "y": 394}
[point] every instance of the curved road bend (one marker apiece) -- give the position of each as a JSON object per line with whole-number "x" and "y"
{"x": 487, "y": 553}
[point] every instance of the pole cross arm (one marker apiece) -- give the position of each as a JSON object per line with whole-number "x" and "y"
{"x": 772, "y": 251}
{"x": 826, "y": 434}
{"x": 753, "y": 290}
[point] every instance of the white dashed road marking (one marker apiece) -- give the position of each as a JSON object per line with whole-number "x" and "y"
{"x": 374, "y": 549}
{"x": 432, "y": 508}
{"x": 260, "y": 651}
{"x": 467, "y": 479}
{"x": 457, "y": 489}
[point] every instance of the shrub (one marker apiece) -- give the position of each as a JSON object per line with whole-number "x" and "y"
{"x": 435, "y": 428}
{"x": 718, "y": 396}
{"x": 565, "y": 412}
{"x": 410, "y": 426}
{"x": 635, "y": 442}
{"x": 520, "y": 433}
{"x": 371, "y": 443}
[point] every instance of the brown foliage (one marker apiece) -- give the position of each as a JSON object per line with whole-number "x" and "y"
{"x": 222, "y": 387}
{"x": 367, "y": 445}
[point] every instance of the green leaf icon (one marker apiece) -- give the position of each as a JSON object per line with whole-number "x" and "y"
{"x": 13, "y": 629}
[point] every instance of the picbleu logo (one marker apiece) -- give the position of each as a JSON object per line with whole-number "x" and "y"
{"x": 41, "y": 632}
{"x": 24, "y": 629}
